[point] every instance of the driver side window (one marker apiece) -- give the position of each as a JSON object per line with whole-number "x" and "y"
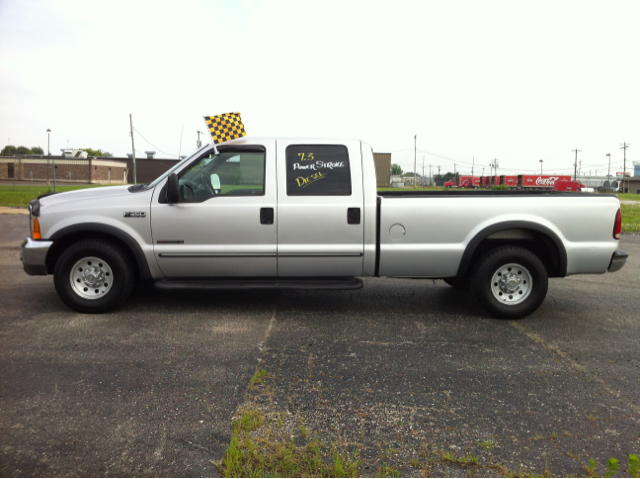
{"x": 233, "y": 172}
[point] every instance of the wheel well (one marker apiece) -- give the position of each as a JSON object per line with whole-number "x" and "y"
{"x": 62, "y": 243}
{"x": 539, "y": 243}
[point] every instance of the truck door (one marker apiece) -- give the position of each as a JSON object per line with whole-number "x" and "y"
{"x": 320, "y": 209}
{"x": 224, "y": 223}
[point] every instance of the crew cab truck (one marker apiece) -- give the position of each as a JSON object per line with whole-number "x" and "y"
{"x": 305, "y": 214}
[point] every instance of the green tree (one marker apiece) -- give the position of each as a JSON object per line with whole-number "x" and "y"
{"x": 92, "y": 152}
{"x": 440, "y": 180}
{"x": 396, "y": 169}
{"x": 11, "y": 150}
{"x": 8, "y": 150}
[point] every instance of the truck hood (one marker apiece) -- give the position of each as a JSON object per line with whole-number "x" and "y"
{"x": 79, "y": 196}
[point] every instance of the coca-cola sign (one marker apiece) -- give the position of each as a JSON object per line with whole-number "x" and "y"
{"x": 548, "y": 181}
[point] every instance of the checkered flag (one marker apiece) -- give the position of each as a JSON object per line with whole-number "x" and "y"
{"x": 225, "y": 127}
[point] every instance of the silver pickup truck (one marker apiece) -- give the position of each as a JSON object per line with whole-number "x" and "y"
{"x": 305, "y": 214}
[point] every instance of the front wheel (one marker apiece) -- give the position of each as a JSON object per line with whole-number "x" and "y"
{"x": 93, "y": 276}
{"x": 510, "y": 282}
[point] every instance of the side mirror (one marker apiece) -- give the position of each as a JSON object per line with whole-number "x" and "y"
{"x": 215, "y": 183}
{"x": 173, "y": 189}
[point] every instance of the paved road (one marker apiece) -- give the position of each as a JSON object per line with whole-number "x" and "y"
{"x": 146, "y": 391}
{"x": 401, "y": 371}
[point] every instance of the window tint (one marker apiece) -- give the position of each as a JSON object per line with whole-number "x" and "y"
{"x": 230, "y": 173}
{"x": 318, "y": 170}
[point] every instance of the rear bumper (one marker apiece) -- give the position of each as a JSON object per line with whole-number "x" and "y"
{"x": 617, "y": 261}
{"x": 34, "y": 256}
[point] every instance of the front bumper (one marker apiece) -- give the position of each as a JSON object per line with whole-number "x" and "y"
{"x": 34, "y": 256}
{"x": 617, "y": 261}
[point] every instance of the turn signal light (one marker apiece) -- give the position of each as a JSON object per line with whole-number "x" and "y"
{"x": 617, "y": 227}
{"x": 36, "y": 229}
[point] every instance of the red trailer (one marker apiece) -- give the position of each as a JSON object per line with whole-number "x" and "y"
{"x": 510, "y": 181}
{"x": 539, "y": 182}
{"x": 469, "y": 181}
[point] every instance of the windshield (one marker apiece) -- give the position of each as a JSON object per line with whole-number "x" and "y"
{"x": 178, "y": 165}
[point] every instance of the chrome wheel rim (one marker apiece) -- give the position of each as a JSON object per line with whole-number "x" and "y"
{"x": 511, "y": 284}
{"x": 91, "y": 278}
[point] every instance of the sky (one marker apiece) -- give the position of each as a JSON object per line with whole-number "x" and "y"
{"x": 472, "y": 81}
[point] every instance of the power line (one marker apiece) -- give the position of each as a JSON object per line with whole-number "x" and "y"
{"x": 170, "y": 154}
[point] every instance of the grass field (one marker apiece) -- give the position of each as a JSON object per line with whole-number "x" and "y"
{"x": 21, "y": 195}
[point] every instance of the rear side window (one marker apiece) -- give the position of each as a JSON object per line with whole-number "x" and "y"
{"x": 318, "y": 170}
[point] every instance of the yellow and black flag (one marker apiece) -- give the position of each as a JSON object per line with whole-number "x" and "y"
{"x": 225, "y": 127}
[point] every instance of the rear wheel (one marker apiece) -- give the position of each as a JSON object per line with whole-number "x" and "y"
{"x": 510, "y": 282}
{"x": 93, "y": 276}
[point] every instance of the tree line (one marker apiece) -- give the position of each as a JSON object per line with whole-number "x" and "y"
{"x": 11, "y": 150}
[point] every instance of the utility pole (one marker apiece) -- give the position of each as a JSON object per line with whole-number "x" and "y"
{"x": 430, "y": 177}
{"x": 624, "y": 167}
{"x": 609, "y": 170}
{"x": 540, "y": 167}
{"x": 415, "y": 161}
{"x": 494, "y": 164}
{"x": 133, "y": 152}
{"x": 575, "y": 165}
{"x": 473, "y": 162}
{"x": 199, "y": 143}
{"x": 423, "y": 168}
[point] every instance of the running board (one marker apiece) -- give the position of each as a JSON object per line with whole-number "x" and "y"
{"x": 259, "y": 283}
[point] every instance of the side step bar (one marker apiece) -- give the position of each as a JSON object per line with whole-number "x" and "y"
{"x": 259, "y": 283}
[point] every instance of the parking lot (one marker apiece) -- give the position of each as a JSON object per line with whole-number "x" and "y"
{"x": 408, "y": 374}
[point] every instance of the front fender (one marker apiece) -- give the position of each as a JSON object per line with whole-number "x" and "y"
{"x": 86, "y": 229}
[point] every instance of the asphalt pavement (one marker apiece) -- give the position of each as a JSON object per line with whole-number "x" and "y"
{"x": 407, "y": 375}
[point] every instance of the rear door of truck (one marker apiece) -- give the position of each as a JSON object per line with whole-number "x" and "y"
{"x": 320, "y": 208}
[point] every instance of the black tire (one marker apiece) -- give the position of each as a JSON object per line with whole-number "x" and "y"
{"x": 509, "y": 282}
{"x": 459, "y": 283}
{"x": 93, "y": 276}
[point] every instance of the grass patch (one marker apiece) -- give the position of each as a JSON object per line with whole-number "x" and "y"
{"x": 258, "y": 377}
{"x": 20, "y": 196}
{"x": 251, "y": 454}
{"x": 630, "y": 218}
{"x": 486, "y": 444}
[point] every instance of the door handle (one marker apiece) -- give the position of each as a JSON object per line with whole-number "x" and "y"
{"x": 266, "y": 216}
{"x": 353, "y": 216}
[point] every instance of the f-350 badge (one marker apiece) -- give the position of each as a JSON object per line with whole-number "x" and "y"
{"x": 134, "y": 214}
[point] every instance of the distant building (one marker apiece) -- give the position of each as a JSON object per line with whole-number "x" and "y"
{"x": 108, "y": 171}
{"x": 632, "y": 185}
{"x": 72, "y": 153}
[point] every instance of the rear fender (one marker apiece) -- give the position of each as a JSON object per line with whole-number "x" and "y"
{"x": 536, "y": 230}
